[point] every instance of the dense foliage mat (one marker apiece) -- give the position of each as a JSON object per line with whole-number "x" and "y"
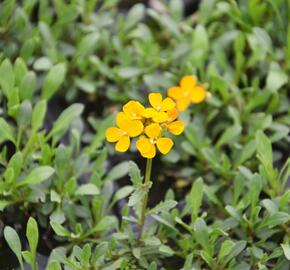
{"x": 219, "y": 199}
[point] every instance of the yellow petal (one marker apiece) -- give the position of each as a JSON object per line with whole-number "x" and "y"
{"x": 123, "y": 144}
{"x": 135, "y": 128}
{"x": 151, "y": 153}
{"x": 122, "y": 121}
{"x": 198, "y": 94}
{"x": 113, "y": 134}
{"x": 175, "y": 92}
{"x": 188, "y": 82}
{"x": 148, "y": 112}
{"x": 143, "y": 145}
{"x": 182, "y": 104}
{"x": 172, "y": 114}
{"x": 160, "y": 117}
{"x": 155, "y": 100}
{"x": 133, "y": 109}
{"x": 167, "y": 104}
{"x": 153, "y": 130}
{"x": 176, "y": 127}
{"x": 164, "y": 145}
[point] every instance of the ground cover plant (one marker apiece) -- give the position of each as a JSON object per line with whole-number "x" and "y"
{"x": 144, "y": 134}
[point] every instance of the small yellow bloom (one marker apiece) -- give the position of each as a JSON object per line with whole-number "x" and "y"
{"x": 147, "y": 147}
{"x": 174, "y": 126}
{"x": 126, "y": 129}
{"x": 188, "y": 91}
{"x": 159, "y": 109}
{"x": 134, "y": 110}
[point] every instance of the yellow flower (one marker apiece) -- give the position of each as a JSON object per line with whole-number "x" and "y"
{"x": 160, "y": 107}
{"x": 134, "y": 110}
{"x": 126, "y": 128}
{"x": 147, "y": 147}
{"x": 174, "y": 126}
{"x": 188, "y": 91}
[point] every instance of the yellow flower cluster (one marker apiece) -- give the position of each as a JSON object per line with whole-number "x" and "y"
{"x": 151, "y": 124}
{"x": 188, "y": 91}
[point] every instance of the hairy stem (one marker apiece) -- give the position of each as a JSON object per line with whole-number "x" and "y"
{"x": 145, "y": 199}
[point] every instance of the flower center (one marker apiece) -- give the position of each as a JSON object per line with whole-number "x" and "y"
{"x": 152, "y": 140}
{"x": 158, "y": 108}
{"x": 186, "y": 94}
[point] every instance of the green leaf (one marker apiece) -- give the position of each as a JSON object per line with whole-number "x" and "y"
{"x": 13, "y": 242}
{"x": 87, "y": 44}
{"x": 118, "y": 171}
{"x": 38, "y": 114}
{"x": 286, "y": 250}
{"x": 32, "y": 235}
{"x": 195, "y": 198}
{"x": 53, "y": 80}
{"x": 129, "y": 72}
{"x": 202, "y": 235}
{"x": 63, "y": 122}
{"x": 135, "y": 174}
{"x": 225, "y": 249}
{"x": 42, "y": 64}
{"x": 163, "y": 207}
{"x": 7, "y": 78}
{"x": 136, "y": 196}
{"x": 229, "y": 135}
{"x": 6, "y": 132}
{"x": 4, "y": 204}
{"x": 20, "y": 69}
{"x": 54, "y": 265}
{"x": 167, "y": 250}
{"x": 123, "y": 193}
{"x": 27, "y": 86}
{"x": 263, "y": 38}
{"x": 87, "y": 189}
{"x": 24, "y": 116}
{"x": 37, "y": 176}
{"x": 264, "y": 152}
{"x": 276, "y": 78}
{"x": 164, "y": 222}
{"x": 59, "y": 229}
{"x": 275, "y": 220}
{"x": 105, "y": 224}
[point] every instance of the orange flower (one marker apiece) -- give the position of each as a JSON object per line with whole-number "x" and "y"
{"x": 159, "y": 109}
{"x": 126, "y": 129}
{"x": 147, "y": 147}
{"x": 188, "y": 91}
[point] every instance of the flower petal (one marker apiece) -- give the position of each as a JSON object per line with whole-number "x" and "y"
{"x": 143, "y": 145}
{"x": 151, "y": 153}
{"x": 123, "y": 144}
{"x": 160, "y": 117}
{"x": 148, "y": 112}
{"x": 122, "y": 121}
{"x": 164, "y": 145}
{"x": 198, "y": 94}
{"x": 176, "y": 127}
{"x": 113, "y": 134}
{"x": 133, "y": 109}
{"x": 188, "y": 82}
{"x": 167, "y": 104}
{"x": 175, "y": 92}
{"x": 153, "y": 130}
{"x": 135, "y": 128}
{"x": 182, "y": 104}
{"x": 172, "y": 114}
{"x": 155, "y": 100}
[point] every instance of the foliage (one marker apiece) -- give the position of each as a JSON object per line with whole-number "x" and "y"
{"x": 222, "y": 199}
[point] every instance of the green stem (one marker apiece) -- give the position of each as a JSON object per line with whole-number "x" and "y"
{"x": 145, "y": 199}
